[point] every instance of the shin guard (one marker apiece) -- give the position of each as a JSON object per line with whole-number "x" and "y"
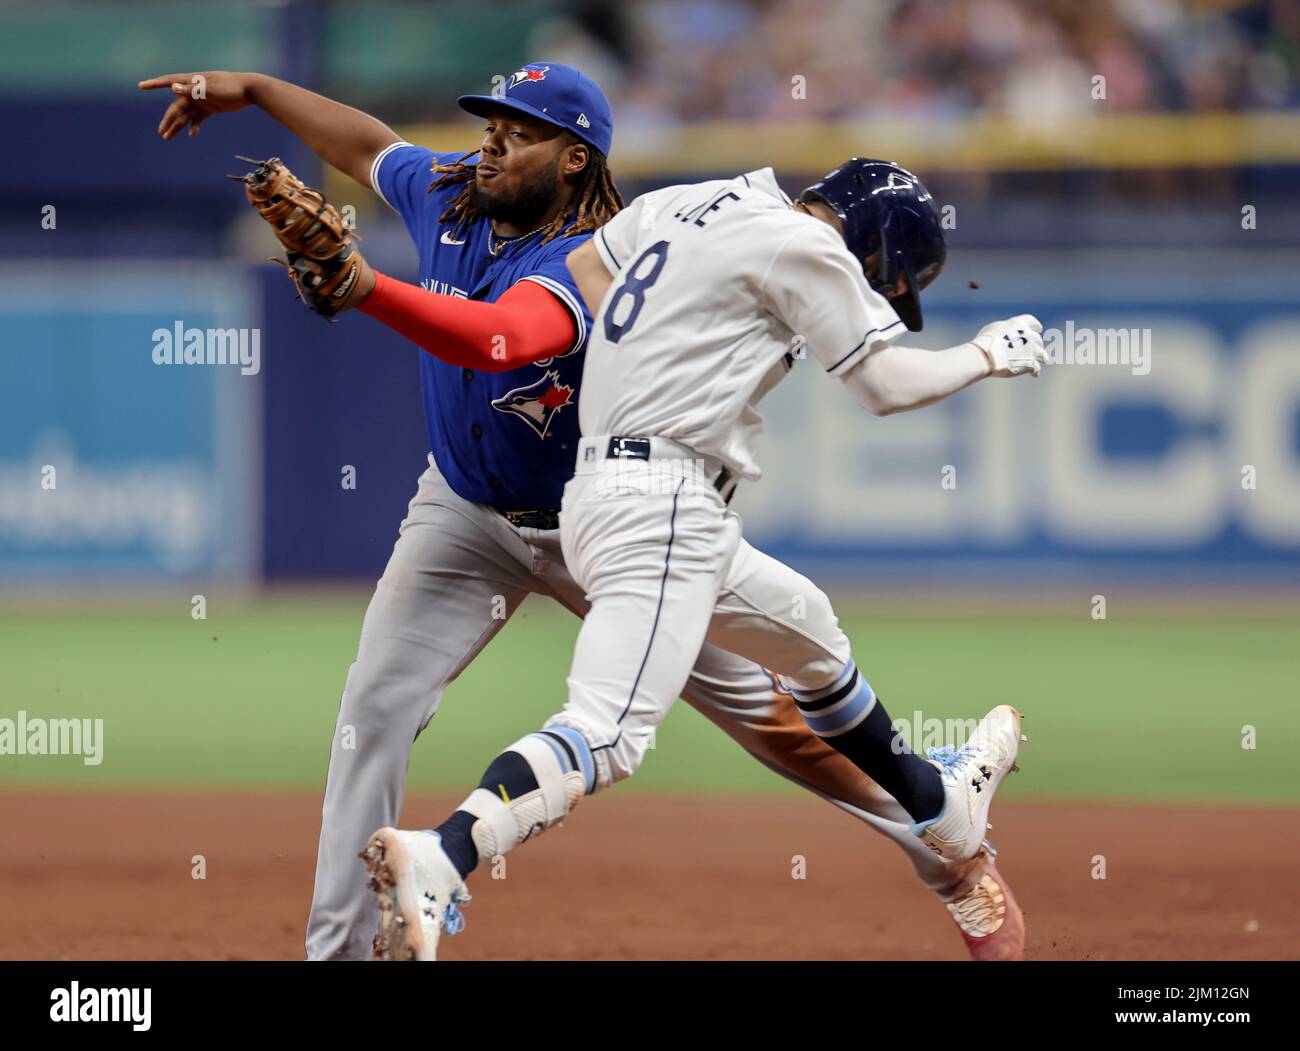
{"x": 562, "y": 773}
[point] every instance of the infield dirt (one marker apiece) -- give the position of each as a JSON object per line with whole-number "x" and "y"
{"x": 110, "y": 876}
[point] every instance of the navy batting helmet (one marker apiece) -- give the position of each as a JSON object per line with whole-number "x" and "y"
{"x": 885, "y": 207}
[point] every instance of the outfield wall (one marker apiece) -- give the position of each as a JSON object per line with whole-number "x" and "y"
{"x": 1180, "y": 457}
{"x": 1183, "y": 462}
{"x": 114, "y": 467}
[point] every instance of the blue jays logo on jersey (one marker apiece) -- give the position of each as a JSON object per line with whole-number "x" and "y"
{"x": 527, "y": 76}
{"x": 537, "y": 403}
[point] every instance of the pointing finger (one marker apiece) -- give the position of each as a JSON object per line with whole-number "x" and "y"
{"x": 165, "y": 81}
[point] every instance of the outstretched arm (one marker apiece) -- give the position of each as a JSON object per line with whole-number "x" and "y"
{"x": 818, "y": 289}
{"x": 896, "y": 379}
{"x": 528, "y": 323}
{"x": 343, "y": 137}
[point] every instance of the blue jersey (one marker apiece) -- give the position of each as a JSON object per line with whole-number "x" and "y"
{"x": 507, "y": 439}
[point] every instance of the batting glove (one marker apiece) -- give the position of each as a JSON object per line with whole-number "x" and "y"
{"x": 1014, "y": 346}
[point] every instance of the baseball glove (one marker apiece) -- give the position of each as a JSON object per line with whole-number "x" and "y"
{"x": 324, "y": 263}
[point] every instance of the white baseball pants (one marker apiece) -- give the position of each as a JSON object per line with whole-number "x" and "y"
{"x": 666, "y": 569}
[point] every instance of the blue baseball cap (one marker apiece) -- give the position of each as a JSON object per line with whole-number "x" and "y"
{"x": 557, "y": 94}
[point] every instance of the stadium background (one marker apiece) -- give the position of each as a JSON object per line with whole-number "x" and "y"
{"x": 1167, "y": 205}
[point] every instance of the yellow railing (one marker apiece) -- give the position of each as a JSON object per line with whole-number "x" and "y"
{"x": 985, "y": 144}
{"x": 982, "y": 144}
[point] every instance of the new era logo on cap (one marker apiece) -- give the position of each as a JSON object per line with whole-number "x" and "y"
{"x": 583, "y": 122}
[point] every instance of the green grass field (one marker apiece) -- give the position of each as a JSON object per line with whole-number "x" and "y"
{"x": 1149, "y": 709}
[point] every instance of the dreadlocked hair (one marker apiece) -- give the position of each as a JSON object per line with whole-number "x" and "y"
{"x": 594, "y": 202}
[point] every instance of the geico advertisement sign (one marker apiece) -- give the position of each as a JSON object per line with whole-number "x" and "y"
{"x": 1014, "y": 462}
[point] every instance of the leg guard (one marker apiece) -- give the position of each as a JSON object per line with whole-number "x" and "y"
{"x": 564, "y": 772}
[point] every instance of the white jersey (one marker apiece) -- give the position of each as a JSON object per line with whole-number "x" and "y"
{"x": 717, "y": 287}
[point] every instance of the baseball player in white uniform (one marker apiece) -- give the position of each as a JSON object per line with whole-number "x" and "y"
{"x": 707, "y": 294}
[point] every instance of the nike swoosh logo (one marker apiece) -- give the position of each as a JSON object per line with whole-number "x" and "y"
{"x": 446, "y": 239}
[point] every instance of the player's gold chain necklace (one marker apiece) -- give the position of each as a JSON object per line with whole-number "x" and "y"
{"x": 497, "y": 242}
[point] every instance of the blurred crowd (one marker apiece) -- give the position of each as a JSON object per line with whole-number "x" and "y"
{"x": 1036, "y": 60}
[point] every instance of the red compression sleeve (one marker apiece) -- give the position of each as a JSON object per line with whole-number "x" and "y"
{"x": 528, "y": 323}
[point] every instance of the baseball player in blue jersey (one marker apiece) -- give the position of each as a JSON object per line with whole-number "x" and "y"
{"x": 505, "y": 330}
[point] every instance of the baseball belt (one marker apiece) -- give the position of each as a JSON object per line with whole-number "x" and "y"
{"x": 621, "y": 447}
{"x": 548, "y": 518}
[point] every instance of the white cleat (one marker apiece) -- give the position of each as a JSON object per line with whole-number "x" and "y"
{"x": 419, "y": 891}
{"x": 971, "y": 774}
